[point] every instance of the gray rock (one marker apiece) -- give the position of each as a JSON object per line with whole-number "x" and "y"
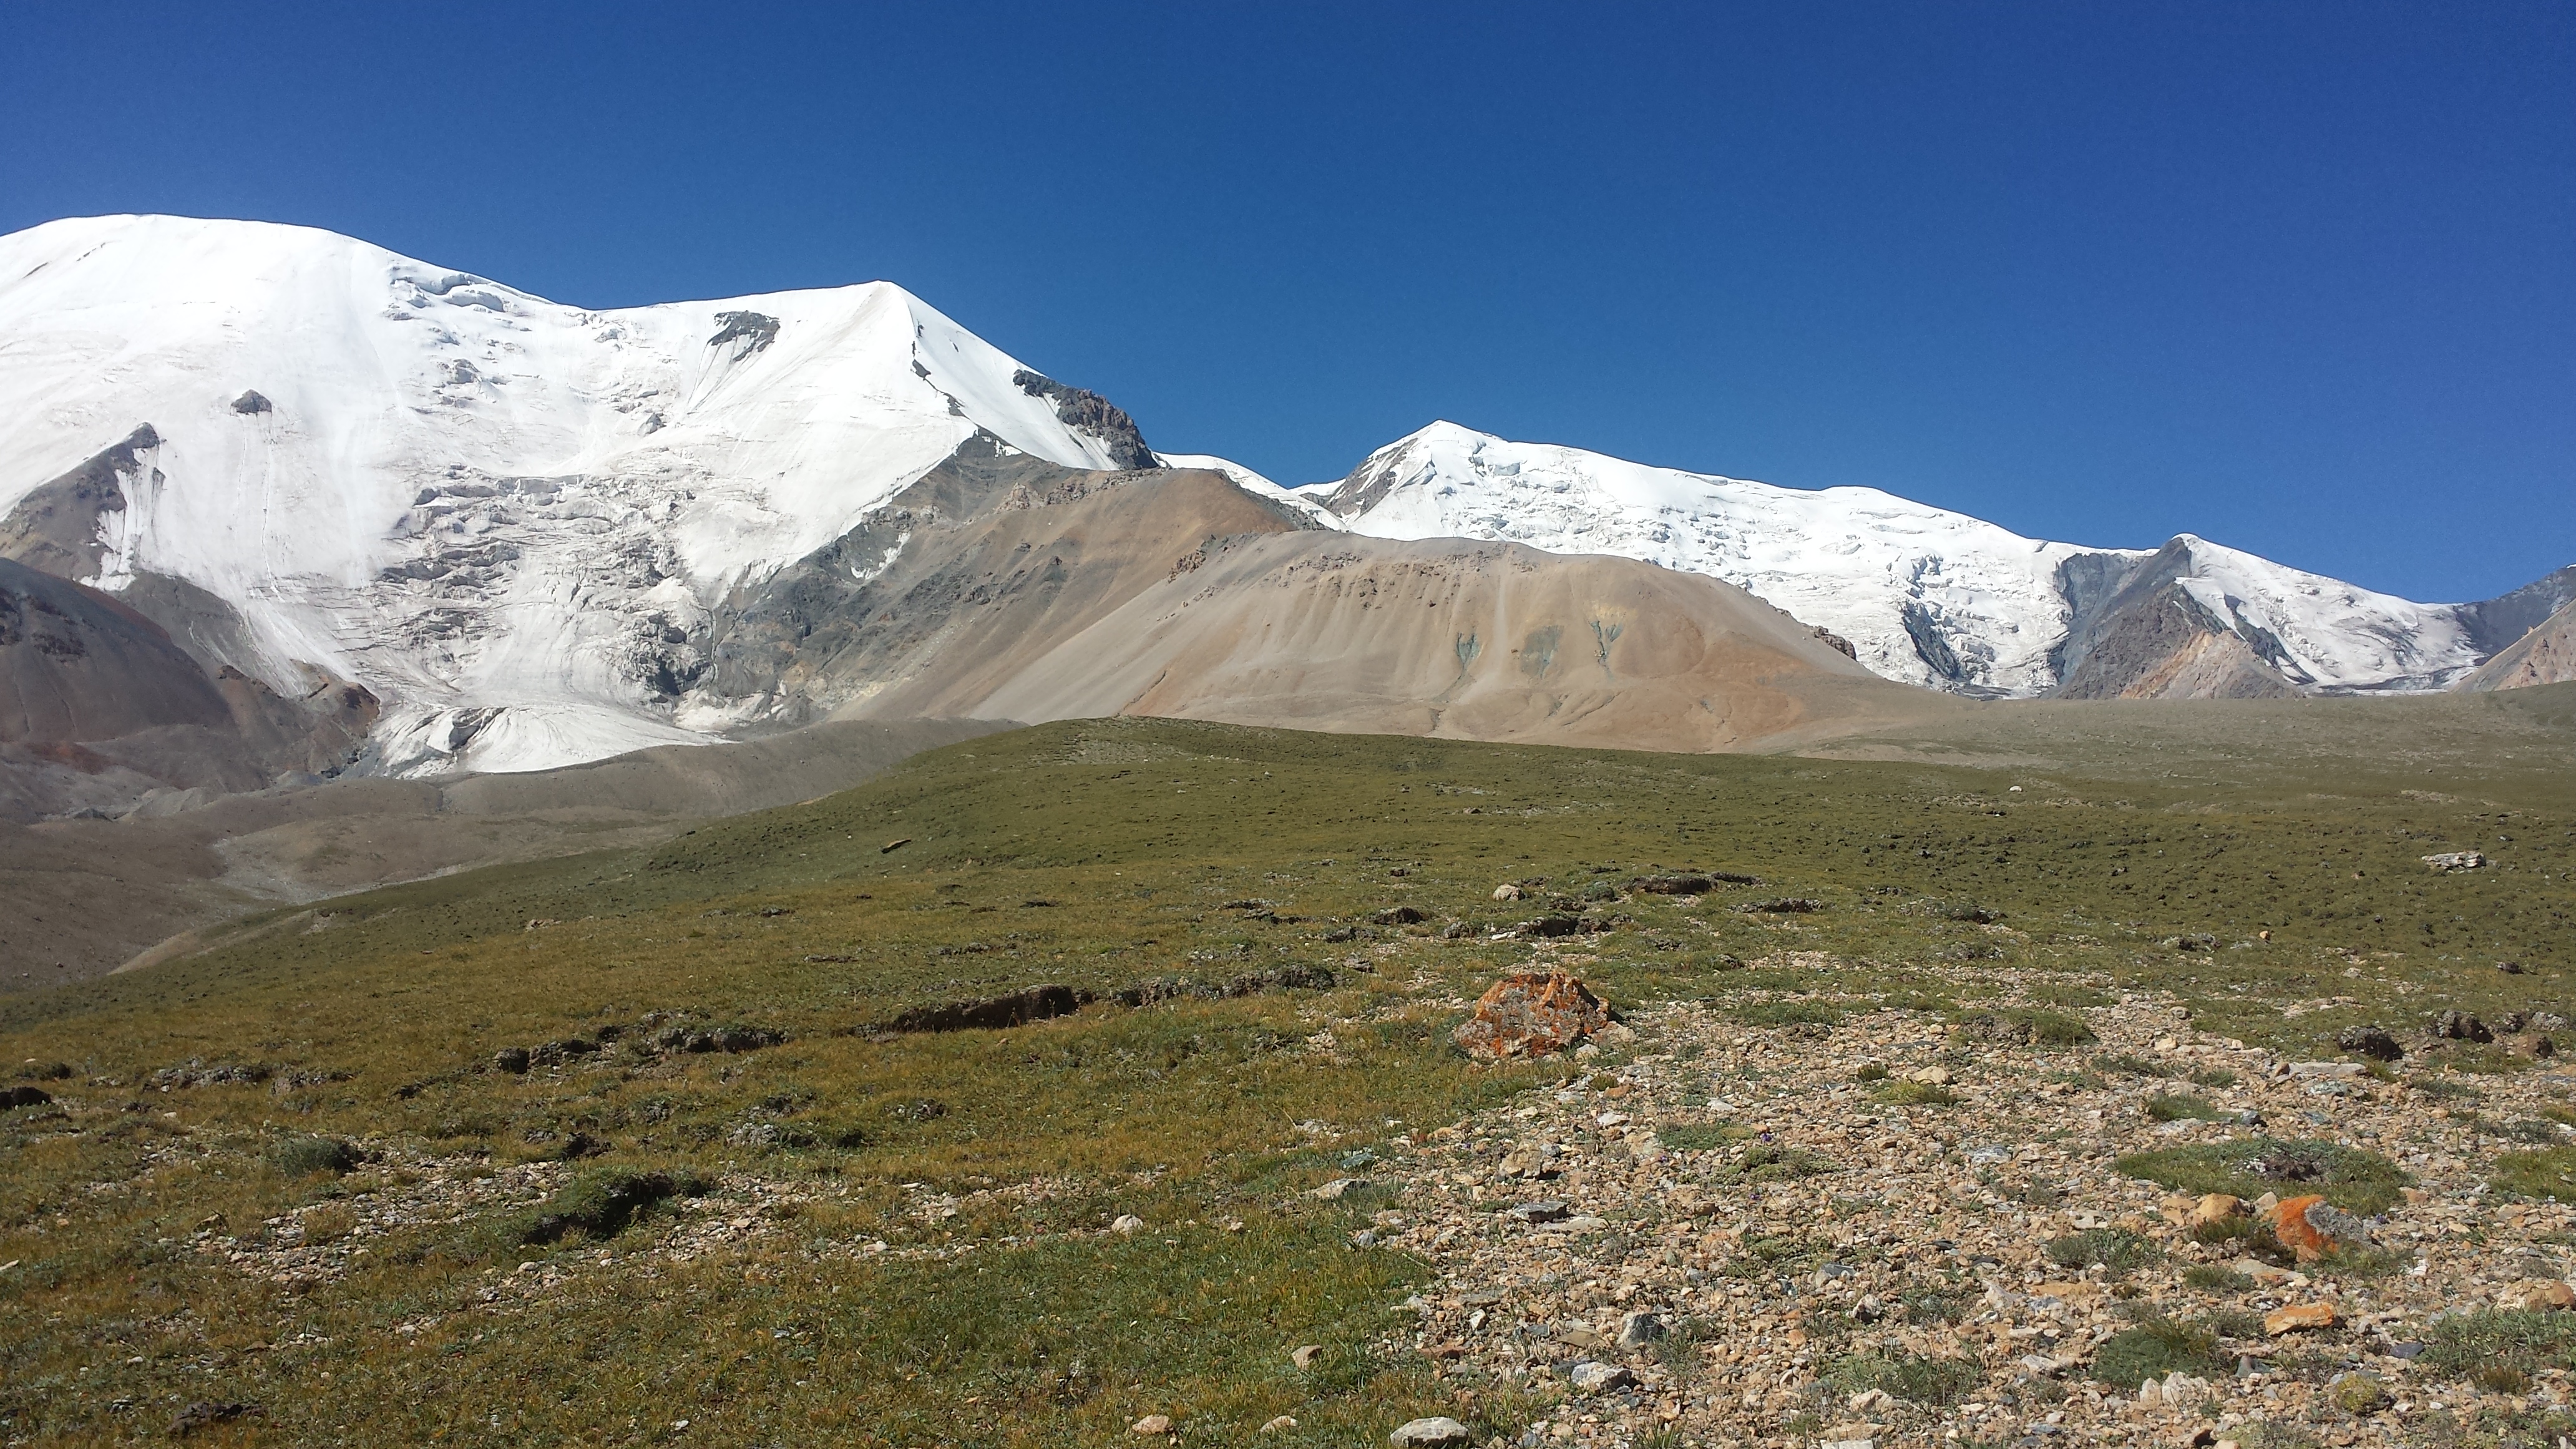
{"x": 1431, "y": 1432}
{"x": 1545, "y": 1210}
{"x": 1599, "y": 1378}
{"x": 1639, "y": 1329}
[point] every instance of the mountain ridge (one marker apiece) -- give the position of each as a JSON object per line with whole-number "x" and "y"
{"x": 532, "y": 534}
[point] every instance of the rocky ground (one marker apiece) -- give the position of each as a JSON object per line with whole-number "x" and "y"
{"x": 1884, "y": 1229}
{"x": 1734, "y": 1238}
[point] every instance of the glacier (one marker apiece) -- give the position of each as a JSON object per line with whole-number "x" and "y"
{"x": 502, "y": 514}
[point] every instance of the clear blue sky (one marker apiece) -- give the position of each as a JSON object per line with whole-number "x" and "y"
{"x": 2298, "y": 278}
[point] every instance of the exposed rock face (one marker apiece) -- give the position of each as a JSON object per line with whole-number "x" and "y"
{"x": 1086, "y": 411}
{"x": 57, "y": 528}
{"x": 1532, "y": 1014}
{"x": 98, "y": 705}
{"x": 77, "y": 665}
{"x": 2151, "y": 638}
{"x": 969, "y": 575}
{"x": 2496, "y": 623}
{"x": 2545, "y": 655}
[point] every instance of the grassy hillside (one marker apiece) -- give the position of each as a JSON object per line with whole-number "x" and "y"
{"x": 906, "y": 1237}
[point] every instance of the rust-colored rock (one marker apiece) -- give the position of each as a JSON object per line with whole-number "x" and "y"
{"x": 2298, "y": 1316}
{"x": 1531, "y": 1014}
{"x": 2311, "y": 1227}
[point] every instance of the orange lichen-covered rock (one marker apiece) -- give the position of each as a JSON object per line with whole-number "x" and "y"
{"x": 2312, "y": 1227}
{"x": 1530, "y": 1014}
{"x": 2298, "y": 1316}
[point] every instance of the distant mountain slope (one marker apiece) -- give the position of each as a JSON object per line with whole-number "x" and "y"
{"x": 1928, "y": 596}
{"x": 1459, "y": 639}
{"x": 2544, "y": 655}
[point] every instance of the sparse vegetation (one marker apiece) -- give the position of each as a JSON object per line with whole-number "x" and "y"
{"x": 2117, "y": 1249}
{"x": 1021, "y": 1319}
{"x": 2155, "y": 1348}
{"x": 2549, "y": 1174}
{"x": 2349, "y": 1177}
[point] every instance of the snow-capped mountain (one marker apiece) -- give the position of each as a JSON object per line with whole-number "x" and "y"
{"x": 506, "y": 516}
{"x": 1922, "y": 594}
{"x": 488, "y": 531}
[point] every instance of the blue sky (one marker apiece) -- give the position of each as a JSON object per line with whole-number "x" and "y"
{"x": 2300, "y": 279}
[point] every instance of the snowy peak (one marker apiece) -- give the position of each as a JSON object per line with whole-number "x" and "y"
{"x": 465, "y": 496}
{"x": 1924, "y": 595}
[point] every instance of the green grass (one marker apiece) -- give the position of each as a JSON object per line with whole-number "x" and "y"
{"x": 1915, "y": 1378}
{"x": 1698, "y": 1137}
{"x": 2350, "y": 1178}
{"x": 2047, "y": 1030}
{"x": 2549, "y": 1173}
{"x": 1913, "y": 1094}
{"x": 1018, "y": 1321}
{"x": 2155, "y": 1348}
{"x": 2499, "y": 1341}
{"x": 2177, "y": 1107}
{"x": 2115, "y": 1248}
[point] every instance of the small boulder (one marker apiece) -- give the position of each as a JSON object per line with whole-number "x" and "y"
{"x": 1127, "y": 1225}
{"x": 1433, "y": 1433}
{"x": 1305, "y": 1354}
{"x": 2310, "y": 1227}
{"x": 2358, "y": 1393}
{"x": 1401, "y": 916}
{"x": 2537, "y": 1295}
{"x": 1545, "y": 1210}
{"x": 2369, "y": 1041}
{"x": 1507, "y": 892}
{"x": 2298, "y": 1317}
{"x": 513, "y": 1060}
{"x": 1599, "y": 1378}
{"x": 12, "y": 1098}
{"x": 1340, "y": 1187}
{"x": 2460, "y": 1026}
{"x": 2216, "y": 1207}
{"x": 1930, "y": 1076}
{"x": 1639, "y": 1329}
{"x": 1530, "y": 1014}
{"x": 2451, "y": 860}
{"x": 1152, "y": 1424}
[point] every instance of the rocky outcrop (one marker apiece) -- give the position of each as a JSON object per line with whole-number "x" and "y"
{"x": 2149, "y": 637}
{"x": 56, "y": 528}
{"x": 1086, "y": 411}
{"x": 2544, "y": 655}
